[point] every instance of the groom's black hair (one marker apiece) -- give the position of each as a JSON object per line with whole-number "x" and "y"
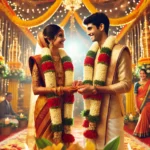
{"x": 97, "y": 19}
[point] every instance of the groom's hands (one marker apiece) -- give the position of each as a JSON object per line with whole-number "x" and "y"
{"x": 77, "y": 83}
{"x": 69, "y": 89}
{"x": 87, "y": 89}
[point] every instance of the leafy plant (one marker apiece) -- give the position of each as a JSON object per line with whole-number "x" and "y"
{"x": 43, "y": 143}
{"x": 112, "y": 144}
{"x": 23, "y": 118}
{"x": 13, "y": 125}
{"x": 127, "y": 118}
{"x": 15, "y": 74}
{"x": 4, "y": 70}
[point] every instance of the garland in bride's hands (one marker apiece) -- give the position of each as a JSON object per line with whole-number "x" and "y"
{"x": 53, "y": 99}
{"x": 92, "y": 103}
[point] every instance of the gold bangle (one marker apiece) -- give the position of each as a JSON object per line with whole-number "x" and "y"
{"x": 54, "y": 90}
{"x": 58, "y": 91}
{"x": 95, "y": 90}
{"x": 61, "y": 91}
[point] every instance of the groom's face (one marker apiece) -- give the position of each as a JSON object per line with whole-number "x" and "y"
{"x": 93, "y": 32}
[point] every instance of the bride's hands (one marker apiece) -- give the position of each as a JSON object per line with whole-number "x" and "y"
{"x": 77, "y": 83}
{"x": 69, "y": 89}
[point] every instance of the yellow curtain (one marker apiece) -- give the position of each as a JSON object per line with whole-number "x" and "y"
{"x": 27, "y": 95}
{"x": 130, "y": 101}
{"x": 13, "y": 88}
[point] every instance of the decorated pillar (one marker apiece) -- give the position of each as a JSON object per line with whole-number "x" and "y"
{"x": 3, "y": 68}
{"x": 129, "y": 101}
{"x": 130, "y": 95}
{"x": 1, "y": 42}
{"x": 27, "y": 81}
{"x": 13, "y": 88}
{"x": 144, "y": 61}
{"x": 27, "y": 96}
{"x": 16, "y": 72}
{"x": 130, "y": 106}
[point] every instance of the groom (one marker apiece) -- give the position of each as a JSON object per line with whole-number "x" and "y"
{"x": 117, "y": 81}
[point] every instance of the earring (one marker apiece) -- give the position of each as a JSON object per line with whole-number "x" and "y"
{"x": 50, "y": 45}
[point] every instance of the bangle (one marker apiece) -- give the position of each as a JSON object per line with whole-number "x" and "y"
{"x": 54, "y": 90}
{"x": 59, "y": 90}
{"x": 95, "y": 90}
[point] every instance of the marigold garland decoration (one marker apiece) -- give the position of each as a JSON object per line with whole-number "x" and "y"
{"x": 92, "y": 103}
{"x": 35, "y": 22}
{"x": 122, "y": 20}
{"x": 53, "y": 99}
{"x": 4, "y": 6}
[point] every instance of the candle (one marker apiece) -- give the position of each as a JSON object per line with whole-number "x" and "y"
{"x": 131, "y": 117}
{"x": 7, "y": 121}
{"x": 21, "y": 115}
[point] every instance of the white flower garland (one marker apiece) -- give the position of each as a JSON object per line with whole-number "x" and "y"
{"x": 92, "y": 103}
{"x": 50, "y": 81}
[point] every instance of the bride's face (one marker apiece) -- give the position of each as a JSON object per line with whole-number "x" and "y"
{"x": 59, "y": 39}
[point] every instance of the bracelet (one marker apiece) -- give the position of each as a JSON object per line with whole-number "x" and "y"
{"x": 95, "y": 90}
{"x": 59, "y": 91}
{"x": 54, "y": 90}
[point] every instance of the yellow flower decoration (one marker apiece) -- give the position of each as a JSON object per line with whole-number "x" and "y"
{"x": 89, "y": 145}
{"x": 54, "y": 147}
{"x": 57, "y": 147}
{"x": 75, "y": 146}
{"x": 122, "y": 20}
{"x": 2, "y": 59}
{"x": 31, "y": 23}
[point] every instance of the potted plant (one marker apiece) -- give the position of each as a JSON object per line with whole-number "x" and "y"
{"x": 131, "y": 121}
{"x": 23, "y": 121}
{"x": 6, "y": 127}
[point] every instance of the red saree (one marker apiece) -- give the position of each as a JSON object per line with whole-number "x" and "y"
{"x": 143, "y": 103}
{"x": 41, "y": 114}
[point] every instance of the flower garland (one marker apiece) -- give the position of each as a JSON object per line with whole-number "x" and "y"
{"x": 4, "y": 6}
{"x": 35, "y": 22}
{"x": 92, "y": 103}
{"x": 125, "y": 19}
{"x": 53, "y": 99}
{"x": 14, "y": 73}
{"x": 3, "y": 69}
